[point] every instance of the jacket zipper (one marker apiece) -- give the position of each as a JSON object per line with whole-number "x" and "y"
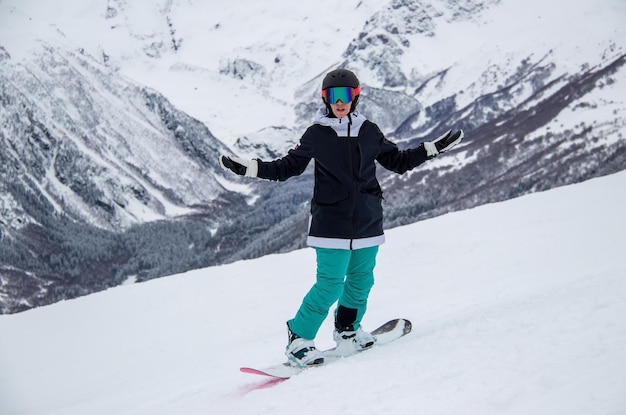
{"x": 353, "y": 181}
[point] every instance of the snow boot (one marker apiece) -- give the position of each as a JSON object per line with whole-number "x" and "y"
{"x": 350, "y": 341}
{"x": 302, "y": 352}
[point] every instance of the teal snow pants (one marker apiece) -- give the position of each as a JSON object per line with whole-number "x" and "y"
{"x": 345, "y": 276}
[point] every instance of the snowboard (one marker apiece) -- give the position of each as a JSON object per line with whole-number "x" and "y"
{"x": 388, "y": 332}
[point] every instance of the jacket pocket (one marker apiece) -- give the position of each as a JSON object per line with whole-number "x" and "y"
{"x": 375, "y": 192}
{"x": 330, "y": 197}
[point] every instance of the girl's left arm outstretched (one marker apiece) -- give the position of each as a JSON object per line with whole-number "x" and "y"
{"x": 401, "y": 161}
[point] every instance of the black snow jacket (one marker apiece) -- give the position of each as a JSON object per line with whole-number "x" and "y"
{"x": 346, "y": 210}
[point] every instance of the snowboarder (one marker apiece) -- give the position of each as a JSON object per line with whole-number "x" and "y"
{"x": 346, "y": 224}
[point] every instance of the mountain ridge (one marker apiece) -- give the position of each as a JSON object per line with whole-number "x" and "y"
{"x": 105, "y": 179}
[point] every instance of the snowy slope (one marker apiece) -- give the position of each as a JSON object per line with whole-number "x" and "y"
{"x": 518, "y": 308}
{"x": 182, "y": 48}
{"x": 225, "y": 61}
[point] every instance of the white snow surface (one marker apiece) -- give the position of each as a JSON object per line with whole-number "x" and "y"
{"x": 517, "y": 308}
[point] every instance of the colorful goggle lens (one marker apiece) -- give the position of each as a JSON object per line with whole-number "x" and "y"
{"x": 344, "y": 94}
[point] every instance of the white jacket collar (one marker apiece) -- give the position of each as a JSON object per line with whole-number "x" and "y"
{"x": 351, "y": 123}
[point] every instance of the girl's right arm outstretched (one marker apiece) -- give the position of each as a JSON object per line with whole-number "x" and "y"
{"x": 293, "y": 164}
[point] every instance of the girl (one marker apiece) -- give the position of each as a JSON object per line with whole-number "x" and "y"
{"x": 346, "y": 225}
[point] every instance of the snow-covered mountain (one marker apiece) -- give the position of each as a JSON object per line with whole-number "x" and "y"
{"x": 512, "y": 317}
{"x": 114, "y": 112}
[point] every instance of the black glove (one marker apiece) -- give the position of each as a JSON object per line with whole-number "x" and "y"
{"x": 443, "y": 143}
{"x": 239, "y": 166}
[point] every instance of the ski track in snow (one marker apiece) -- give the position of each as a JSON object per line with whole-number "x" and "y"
{"x": 517, "y": 308}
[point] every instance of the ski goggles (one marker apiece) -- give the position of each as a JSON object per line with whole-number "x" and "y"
{"x": 344, "y": 94}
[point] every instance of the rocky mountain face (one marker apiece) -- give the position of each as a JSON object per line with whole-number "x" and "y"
{"x": 88, "y": 159}
{"x": 522, "y": 149}
{"x": 104, "y": 181}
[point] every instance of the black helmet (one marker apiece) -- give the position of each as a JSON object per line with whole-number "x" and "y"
{"x": 341, "y": 77}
